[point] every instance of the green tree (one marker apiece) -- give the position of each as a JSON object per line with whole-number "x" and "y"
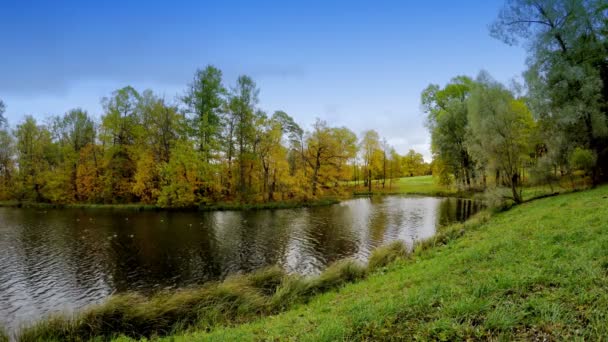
{"x": 295, "y": 137}
{"x": 413, "y": 164}
{"x": 326, "y": 150}
{"x": 121, "y": 129}
{"x": 204, "y": 101}
{"x": 243, "y": 102}
{"x": 182, "y": 177}
{"x": 73, "y": 131}
{"x": 7, "y": 167}
{"x": 568, "y": 71}
{"x": 372, "y": 155}
{"x": 447, "y": 120}
{"x": 2, "y": 110}
{"x": 500, "y": 127}
{"x": 34, "y": 157}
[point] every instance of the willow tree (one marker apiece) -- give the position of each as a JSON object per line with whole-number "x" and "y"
{"x": 499, "y": 131}
{"x": 447, "y": 119}
{"x": 567, "y": 77}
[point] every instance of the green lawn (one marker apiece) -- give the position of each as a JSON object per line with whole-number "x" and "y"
{"x": 419, "y": 185}
{"x": 536, "y": 272}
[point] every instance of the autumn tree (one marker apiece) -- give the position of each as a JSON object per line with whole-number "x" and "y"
{"x": 412, "y": 164}
{"x": 326, "y": 149}
{"x": 162, "y": 126}
{"x": 34, "y": 157}
{"x": 372, "y": 156}
{"x": 182, "y": 177}
{"x": 121, "y": 129}
{"x": 7, "y": 167}
{"x": 72, "y": 132}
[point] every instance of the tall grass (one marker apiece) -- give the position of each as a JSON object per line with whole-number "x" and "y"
{"x": 3, "y": 335}
{"x": 236, "y": 300}
{"x": 383, "y": 256}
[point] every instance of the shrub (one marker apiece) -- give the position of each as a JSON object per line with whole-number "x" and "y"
{"x": 582, "y": 159}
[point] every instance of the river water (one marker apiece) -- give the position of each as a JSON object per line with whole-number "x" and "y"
{"x": 62, "y": 260}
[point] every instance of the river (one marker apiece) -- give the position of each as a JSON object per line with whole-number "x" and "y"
{"x": 62, "y": 260}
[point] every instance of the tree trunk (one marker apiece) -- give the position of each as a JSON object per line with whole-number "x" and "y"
{"x": 272, "y": 186}
{"x": 514, "y": 182}
{"x": 315, "y": 174}
{"x": 369, "y": 181}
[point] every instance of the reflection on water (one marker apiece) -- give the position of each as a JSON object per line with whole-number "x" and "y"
{"x": 62, "y": 260}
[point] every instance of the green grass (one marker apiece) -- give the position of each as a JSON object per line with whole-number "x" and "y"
{"x": 536, "y": 272}
{"x": 427, "y": 186}
{"x": 419, "y": 185}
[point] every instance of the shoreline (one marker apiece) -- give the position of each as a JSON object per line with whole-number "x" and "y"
{"x": 152, "y": 207}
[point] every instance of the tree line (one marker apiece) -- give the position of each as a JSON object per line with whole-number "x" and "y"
{"x": 213, "y": 144}
{"x": 553, "y": 126}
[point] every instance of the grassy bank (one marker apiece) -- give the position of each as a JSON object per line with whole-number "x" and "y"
{"x": 427, "y": 186}
{"x": 536, "y": 272}
{"x": 148, "y": 207}
{"x": 419, "y": 185}
{"x": 238, "y": 299}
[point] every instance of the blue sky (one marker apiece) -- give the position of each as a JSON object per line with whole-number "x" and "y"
{"x": 361, "y": 64}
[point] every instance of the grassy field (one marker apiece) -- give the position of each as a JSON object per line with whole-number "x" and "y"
{"x": 419, "y": 185}
{"x": 427, "y": 186}
{"x": 536, "y": 272}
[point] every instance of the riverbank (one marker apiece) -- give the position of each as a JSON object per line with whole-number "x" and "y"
{"x": 422, "y": 185}
{"x": 149, "y": 207}
{"x": 536, "y": 272}
{"x": 415, "y": 186}
{"x": 238, "y": 299}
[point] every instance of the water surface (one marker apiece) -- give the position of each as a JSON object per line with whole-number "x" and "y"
{"x": 62, "y": 260}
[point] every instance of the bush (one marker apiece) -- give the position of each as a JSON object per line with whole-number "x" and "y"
{"x": 582, "y": 159}
{"x": 498, "y": 199}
